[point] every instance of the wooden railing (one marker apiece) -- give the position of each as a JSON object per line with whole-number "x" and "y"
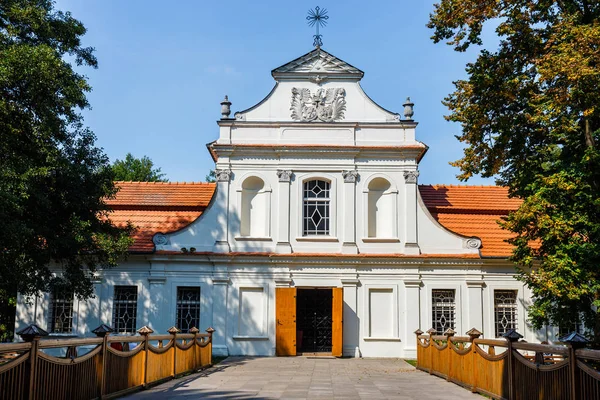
{"x": 107, "y": 366}
{"x": 511, "y": 369}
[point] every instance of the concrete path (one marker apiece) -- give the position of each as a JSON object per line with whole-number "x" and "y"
{"x": 308, "y": 378}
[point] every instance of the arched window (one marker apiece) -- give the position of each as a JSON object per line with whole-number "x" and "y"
{"x": 316, "y": 207}
{"x": 381, "y": 206}
{"x": 254, "y": 208}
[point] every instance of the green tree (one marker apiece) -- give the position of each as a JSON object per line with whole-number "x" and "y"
{"x": 530, "y": 117}
{"x": 211, "y": 177}
{"x": 53, "y": 180}
{"x": 137, "y": 169}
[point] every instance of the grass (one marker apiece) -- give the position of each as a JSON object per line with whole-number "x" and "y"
{"x": 412, "y": 362}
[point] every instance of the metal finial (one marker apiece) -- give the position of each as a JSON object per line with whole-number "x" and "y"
{"x": 225, "y": 108}
{"x": 317, "y": 17}
{"x": 408, "y": 109}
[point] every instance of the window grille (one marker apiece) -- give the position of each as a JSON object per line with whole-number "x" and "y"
{"x": 61, "y": 312}
{"x": 188, "y": 308}
{"x": 575, "y": 326}
{"x": 443, "y": 310}
{"x": 505, "y": 311}
{"x": 316, "y": 210}
{"x": 125, "y": 309}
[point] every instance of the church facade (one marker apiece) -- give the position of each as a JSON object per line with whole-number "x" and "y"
{"x": 315, "y": 239}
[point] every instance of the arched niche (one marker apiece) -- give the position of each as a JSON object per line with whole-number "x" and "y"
{"x": 381, "y": 215}
{"x": 254, "y": 206}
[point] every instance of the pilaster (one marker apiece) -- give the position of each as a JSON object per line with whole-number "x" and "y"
{"x": 220, "y": 297}
{"x": 283, "y": 214}
{"x": 222, "y": 200}
{"x": 475, "y": 305}
{"x": 351, "y": 320}
{"x": 412, "y": 311}
{"x": 349, "y": 228}
{"x": 411, "y": 245}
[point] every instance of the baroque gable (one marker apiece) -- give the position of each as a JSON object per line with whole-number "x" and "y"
{"x": 318, "y": 65}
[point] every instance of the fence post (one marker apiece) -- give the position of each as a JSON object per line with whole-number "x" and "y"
{"x": 194, "y": 331}
{"x": 473, "y": 334}
{"x": 145, "y": 331}
{"x": 431, "y": 332}
{"x": 449, "y": 333}
{"x": 32, "y": 334}
{"x": 210, "y": 331}
{"x": 173, "y": 331}
{"x": 511, "y": 336}
{"x": 103, "y": 331}
{"x": 418, "y": 332}
{"x": 574, "y": 341}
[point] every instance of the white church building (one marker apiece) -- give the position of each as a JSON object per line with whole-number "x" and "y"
{"x": 315, "y": 239}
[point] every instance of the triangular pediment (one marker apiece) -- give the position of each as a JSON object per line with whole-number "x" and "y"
{"x": 317, "y": 62}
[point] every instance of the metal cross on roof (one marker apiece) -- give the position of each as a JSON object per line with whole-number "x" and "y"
{"x": 318, "y": 18}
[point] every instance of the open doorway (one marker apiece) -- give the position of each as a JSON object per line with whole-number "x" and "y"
{"x": 314, "y": 314}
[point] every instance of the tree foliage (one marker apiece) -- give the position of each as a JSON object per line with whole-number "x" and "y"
{"x": 530, "y": 116}
{"x": 137, "y": 169}
{"x": 53, "y": 180}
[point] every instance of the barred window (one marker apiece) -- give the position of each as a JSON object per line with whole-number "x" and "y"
{"x": 443, "y": 309}
{"x": 505, "y": 311}
{"x": 316, "y": 210}
{"x": 61, "y": 312}
{"x": 125, "y": 309}
{"x": 574, "y": 326}
{"x": 188, "y": 308}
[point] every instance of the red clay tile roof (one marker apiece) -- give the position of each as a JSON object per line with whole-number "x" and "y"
{"x": 472, "y": 211}
{"x": 154, "y": 207}
{"x": 167, "y": 207}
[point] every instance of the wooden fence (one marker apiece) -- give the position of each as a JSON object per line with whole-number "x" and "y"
{"x": 511, "y": 369}
{"x": 107, "y": 366}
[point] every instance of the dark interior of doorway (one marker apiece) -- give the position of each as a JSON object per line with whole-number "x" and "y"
{"x": 313, "y": 320}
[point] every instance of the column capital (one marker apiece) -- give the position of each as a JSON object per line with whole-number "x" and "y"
{"x": 411, "y": 176}
{"x": 475, "y": 283}
{"x": 284, "y": 175}
{"x": 350, "y": 176}
{"x": 283, "y": 282}
{"x": 223, "y": 175}
{"x": 349, "y": 282}
{"x": 412, "y": 283}
{"x": 220, "y": 280}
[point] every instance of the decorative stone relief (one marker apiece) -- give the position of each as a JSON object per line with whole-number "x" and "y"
{"x": 160, "y": 240}
{"x": 284, "y": 175}
{"x": 325, "y": 105}
{"x": 350, "y": 176}
{"x": 239, "y": 116}
{"x": 223, "y": 175}
{"x": 411, "y": 176}
{"x": 472, "y": 243}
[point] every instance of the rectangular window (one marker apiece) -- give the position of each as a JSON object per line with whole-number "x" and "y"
{"x": 316, "y": 212}
{"x": 443, "y": 309}
{"x": 188, "y": 308}
{"x": 125, "y": 309}
{"x": 61, "y": 312}
{"x": 505, "y": 311}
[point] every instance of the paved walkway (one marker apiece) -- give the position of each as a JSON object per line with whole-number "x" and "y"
{"x": 308, "y": 378}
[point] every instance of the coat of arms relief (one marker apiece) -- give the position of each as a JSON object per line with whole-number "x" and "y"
{"x": 325, "y": 105}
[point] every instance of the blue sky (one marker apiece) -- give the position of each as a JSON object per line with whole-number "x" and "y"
{"x": 164, "y": 67}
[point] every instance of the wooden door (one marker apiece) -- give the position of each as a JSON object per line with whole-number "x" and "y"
{"x": 337, "y": 321}
{"x": 285, "y": 321}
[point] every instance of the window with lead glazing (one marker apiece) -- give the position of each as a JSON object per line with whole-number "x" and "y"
{"x": 188, "y": 308}
{"x": 125, "y": 309}
{"x": 316, "y": 208}
{"x": 443, "y": 309}
{"x": 505, "y": 311}
{"x": 61, "y": 312}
